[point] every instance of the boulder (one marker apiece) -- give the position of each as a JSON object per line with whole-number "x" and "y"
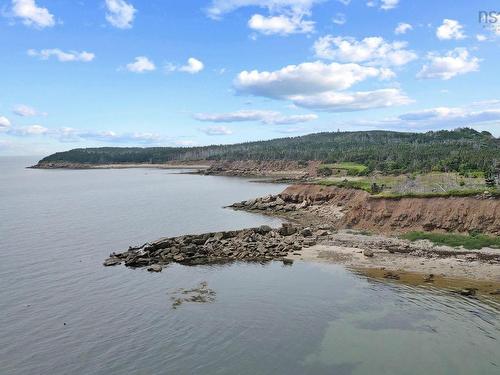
{"x": 263, "y": 229}
{"x": 287, "y": 229}
{"x": 155, "y": 268}
{"x": 368, "y": 253}
{"x": 112, "y": 262}
{"x": 306, "y": 232}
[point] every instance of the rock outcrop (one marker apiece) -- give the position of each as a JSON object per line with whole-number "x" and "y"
{"x": 350, "y": 208}
{"x": 255, "y": 244}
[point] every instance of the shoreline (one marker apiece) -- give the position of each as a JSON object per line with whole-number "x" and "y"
{"x": 316, "y": 231}
{"x": 77, "y": 166}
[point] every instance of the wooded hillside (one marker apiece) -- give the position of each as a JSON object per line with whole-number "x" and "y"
{"x": 461, "y": 150}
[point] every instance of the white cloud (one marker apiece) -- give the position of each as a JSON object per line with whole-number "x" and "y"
{"x": 347, "y": 102}
{"x": 220, "y": 7}
{"x": 285, "y": 16}
{"x": 141, "y": 64}
{"x": 217, "y": 130}
{"x": 450, "y": 29}
{"x": 281, "y": 25}
{"x": 345, "y": 2}
{"x": 62, "y": 56}
{"x": 193, "y": 66}
{"x": 27, "y": 111}
{"x": 120, "y": 14}
{"x": 389, "y": 4}
{"x": 4, "y": 123}
{"x": 384, "y": 4}
{"x": 305, "y": 78}
{"x": 402, "y": 28}
{"x": 371, "y": 50}
{"x": 481, "y": 37}
{"x": 73, "y": 135}
{"x": 443, "y": 118}
{"x": 265, "y": 117}
{"x": 453, "y": 63}
{"x": 315, "y": 85}
{"x": 32, "y": 14}
{"x": 339, "y": 19}
{"x": 29, "y": 130}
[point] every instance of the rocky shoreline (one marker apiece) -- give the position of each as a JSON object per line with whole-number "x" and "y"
{"x": 317, "y": 229}
{"x": 255, "y": 244}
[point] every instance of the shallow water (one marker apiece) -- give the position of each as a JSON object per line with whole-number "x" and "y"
{"x": 63, "y": 313}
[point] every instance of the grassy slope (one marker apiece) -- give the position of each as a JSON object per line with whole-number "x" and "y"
{"x": 474, "y": 241}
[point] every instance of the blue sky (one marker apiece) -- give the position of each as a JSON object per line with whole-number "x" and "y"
{"x": 88, "y": 73}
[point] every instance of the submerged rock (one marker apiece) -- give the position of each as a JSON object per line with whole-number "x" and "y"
{"x": 155, "y": 268}
{"x": 112, "y": 261}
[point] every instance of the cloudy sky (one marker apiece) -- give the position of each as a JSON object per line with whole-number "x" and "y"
{"x": 87, "y": 73}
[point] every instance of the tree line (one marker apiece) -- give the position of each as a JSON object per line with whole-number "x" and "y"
{"x": 461, "y": 150}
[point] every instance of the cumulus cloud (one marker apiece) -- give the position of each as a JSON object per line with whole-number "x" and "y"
{"x": 481, "y": 38}
{"x": 120, "y": 14}
{"x": 31, "y": 130}
{"x": 402, "y": 28}
{"x": 450, "y": 29}
{"x": 348, "y": 102}
{"x": 218, "y": 8}
{"x": 216, "y": 130}
{"x": 383, "y": 4}
{"x": 371, "y": 50}
{"x": 4, "y": 123}
{"x": 389, "y": 4}
{"x": 316, "y": 85}
{"x": 265, "y": 117}
{"x": 192, "y": 66}
{"x": 70, "y": 56}
{"x": 453, "y": 63}
{"x": 443, "y": 118}
{"x": 68, "y": 134}
{"x": 27, "y": 111}
{"x": 285, "y": 16}
{"x": 31, "y": 14}
{"x": 281, "y": 25}
{"x": 305, "y": 78}
{"x": 141, "y": 64}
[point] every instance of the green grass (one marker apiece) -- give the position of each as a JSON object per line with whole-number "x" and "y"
{"x": 472, "y": 241}
{"x": 450, "y": 193}
{"x": 361, "y": 185}
{"x": 353, "y": 169}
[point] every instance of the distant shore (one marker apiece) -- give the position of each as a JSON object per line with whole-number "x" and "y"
{"x": 65, "y": 165}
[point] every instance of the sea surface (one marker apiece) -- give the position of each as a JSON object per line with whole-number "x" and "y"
{"x": 62, "y": 312}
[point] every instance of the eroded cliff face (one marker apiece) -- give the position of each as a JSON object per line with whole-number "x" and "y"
{"x": 270, "y": 168}
{"x": 349, "y": 208}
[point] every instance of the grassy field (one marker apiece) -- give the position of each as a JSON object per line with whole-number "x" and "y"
{"x": 473, "y": 241}
{"x": 352, "y": 169}
{"x": 435, "y": 184}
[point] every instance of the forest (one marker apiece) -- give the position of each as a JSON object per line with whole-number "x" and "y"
{"x": 462, "y": 150}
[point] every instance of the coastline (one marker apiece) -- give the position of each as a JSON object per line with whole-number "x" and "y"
{"x": 331, "y": 211}
{"x": 197, "y": 166}
{"x": 309, "y": 236}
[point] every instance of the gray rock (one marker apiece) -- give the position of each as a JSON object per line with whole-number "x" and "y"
{"x": 306, "y": 232}
{"x": 112, "y": 262}
{"x": 155, "y": 268}
{"x": 368, "y": 253}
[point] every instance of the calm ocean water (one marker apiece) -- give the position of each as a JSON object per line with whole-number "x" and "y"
{"x": 62, "y": 312}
